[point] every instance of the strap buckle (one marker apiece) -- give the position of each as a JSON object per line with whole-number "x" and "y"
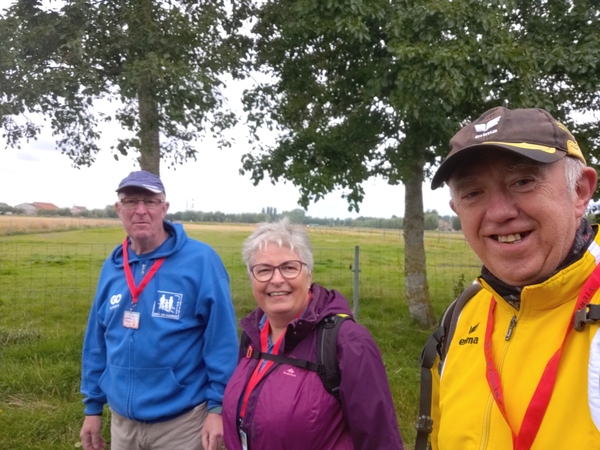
{"x": 424, "y": 424}
{"x": 588, "y": 314}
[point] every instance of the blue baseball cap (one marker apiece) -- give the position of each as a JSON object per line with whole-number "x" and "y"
{"x": 144, "y": 180}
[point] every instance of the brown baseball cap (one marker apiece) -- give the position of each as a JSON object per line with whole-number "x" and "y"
{"x": 533, "y": 133}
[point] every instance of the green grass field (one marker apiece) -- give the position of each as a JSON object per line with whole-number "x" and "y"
{"x": 47, "y": 283}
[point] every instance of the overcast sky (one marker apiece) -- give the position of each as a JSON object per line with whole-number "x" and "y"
{"x": 39, "y": 173}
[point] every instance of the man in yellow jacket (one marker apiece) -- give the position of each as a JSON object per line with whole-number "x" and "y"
{"x": 522, "y": 370}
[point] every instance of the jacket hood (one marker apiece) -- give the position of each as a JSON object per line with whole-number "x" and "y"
{"x": 166, "y": 249}
{"x": 323, "y": 303}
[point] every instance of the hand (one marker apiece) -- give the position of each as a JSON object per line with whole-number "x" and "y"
{"x": 90, "y": 436}
{"x": 212, "y": 432}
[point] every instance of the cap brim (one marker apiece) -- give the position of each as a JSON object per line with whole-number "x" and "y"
{"x": 535, "y": 154}
{"x": 145, "y": 187}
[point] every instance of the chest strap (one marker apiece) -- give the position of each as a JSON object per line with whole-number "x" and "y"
{"x": 588, "y": 314}
{"x": 302, "y": 363}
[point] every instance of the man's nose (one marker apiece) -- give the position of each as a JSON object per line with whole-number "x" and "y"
{"x": 141, "y": 207}
{"x": 501, "y": 206}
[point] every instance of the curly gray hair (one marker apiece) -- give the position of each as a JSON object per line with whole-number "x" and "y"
{"x": 282, "y": 233}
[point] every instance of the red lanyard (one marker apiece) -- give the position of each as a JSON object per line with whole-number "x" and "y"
{"x": 541, "y": 397}
{"x": 260, "y": 370}
{"x": 137, "y": 290}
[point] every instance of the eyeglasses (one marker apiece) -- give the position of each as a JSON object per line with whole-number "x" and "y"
{"x": 288, "y": 270}
{"x": 149, "y": 203}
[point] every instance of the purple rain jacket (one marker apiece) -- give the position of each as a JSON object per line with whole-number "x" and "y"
{"x": 291, "y": 409}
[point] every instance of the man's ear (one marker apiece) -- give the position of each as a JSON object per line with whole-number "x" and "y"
{"x": 585, "y": 188}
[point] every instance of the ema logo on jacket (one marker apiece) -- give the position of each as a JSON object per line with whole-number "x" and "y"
{"x": 470, "y": 340}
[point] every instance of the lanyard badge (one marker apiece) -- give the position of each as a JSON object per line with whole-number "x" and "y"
{"x": 131, "y": 319}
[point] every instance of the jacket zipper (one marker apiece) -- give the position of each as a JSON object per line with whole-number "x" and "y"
{"x": 511, "y": 326}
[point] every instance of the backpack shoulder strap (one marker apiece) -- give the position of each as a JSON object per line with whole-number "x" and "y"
{"x": 246, "y": 350}
{"x": 327, "y": 366}
{"x": 437, "y": 345}
{"x": 450, "y": 320}
{"x": 244, "y": 344}
{"x": 327, "y": 352}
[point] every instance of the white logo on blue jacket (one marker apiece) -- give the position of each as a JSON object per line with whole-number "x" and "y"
{"x": 168, "y": 305}
{"x": 115, "y": 300}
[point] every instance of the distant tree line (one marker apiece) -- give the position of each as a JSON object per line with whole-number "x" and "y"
{"x": 267, "y": 214}
{"x": 4, "y": 208}
{"x": 106, "y": 212}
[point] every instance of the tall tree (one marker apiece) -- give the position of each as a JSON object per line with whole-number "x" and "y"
{"x": 161, "y": 60}
{"x": 362, "y": 88}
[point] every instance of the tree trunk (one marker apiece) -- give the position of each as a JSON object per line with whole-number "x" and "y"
{"x": 415, "y": 274}
{"x": 148, "y": 107}
{"x": 149, "y": 132}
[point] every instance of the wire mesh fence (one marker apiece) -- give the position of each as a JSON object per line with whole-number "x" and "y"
{"x": 46, "y": 285}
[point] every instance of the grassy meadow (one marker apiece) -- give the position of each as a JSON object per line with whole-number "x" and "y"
{"x": 48, "y": 279}
{"x": 42, "y": 224}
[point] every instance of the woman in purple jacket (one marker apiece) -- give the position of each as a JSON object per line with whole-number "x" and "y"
{"x": 273, "y": 406}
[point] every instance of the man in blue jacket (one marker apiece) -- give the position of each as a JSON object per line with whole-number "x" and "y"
{"x": 161, "y": 341}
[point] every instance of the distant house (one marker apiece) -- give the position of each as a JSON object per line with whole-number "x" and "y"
{"x": 444, "y": 226}
{"x": 27, "y": 208}
{"x": 33, "y": 208}
{"x": 76, "y": 210}
{"x": 42, "y": 205}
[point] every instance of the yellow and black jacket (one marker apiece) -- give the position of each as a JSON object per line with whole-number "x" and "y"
{"x": 465, "y": 414}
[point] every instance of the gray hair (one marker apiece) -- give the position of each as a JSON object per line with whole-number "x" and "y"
{"x": 282, "y": 233}
{"x": 573, "y": 170}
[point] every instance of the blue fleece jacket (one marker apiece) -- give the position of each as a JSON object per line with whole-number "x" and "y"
{"x": 185, "y": 349}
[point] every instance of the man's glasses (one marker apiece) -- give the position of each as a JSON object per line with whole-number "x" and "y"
{"x": 149, "y": 203}
{"x": 288, "y": 269}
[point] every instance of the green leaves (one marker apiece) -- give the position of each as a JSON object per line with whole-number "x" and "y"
{"x": 403, "y": 76}
{"x": 61, "y": 62}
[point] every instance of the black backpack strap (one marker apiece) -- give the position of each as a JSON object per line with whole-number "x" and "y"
{"x": 327, "y": 352}
{"x": 304, "y": 364}
{"x": 424, "y": 423}
{"x": 244, "y": 344}
{"x": 436, "y": 345}
{"x": 327, "y": 366}
{"x": 461, "y": 301}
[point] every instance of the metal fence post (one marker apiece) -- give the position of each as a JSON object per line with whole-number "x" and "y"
{"x": 356, "y": 271}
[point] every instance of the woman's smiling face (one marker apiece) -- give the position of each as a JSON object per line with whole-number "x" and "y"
{"x": 280, "y": 298}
